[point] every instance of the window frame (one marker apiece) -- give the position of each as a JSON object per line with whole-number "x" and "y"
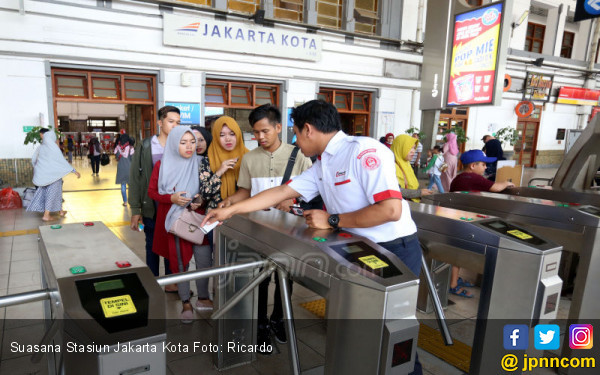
{"x": 569, "y": 48}
{"x": 533, "y": 39}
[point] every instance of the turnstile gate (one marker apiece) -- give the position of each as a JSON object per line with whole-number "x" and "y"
{"x": 103, "y": 300}
{"x": 362, "y": 282}
{"x": 574, "y": 226}
{"x": 519, "y": 268}
{"x": 567, "y": 196}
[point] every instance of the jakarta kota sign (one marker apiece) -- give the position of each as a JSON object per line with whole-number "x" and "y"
{"x": 474, "y": 56}
{"x": 238, "y": 37}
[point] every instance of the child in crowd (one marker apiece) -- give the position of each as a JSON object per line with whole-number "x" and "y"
{"x": 433, "y": 169}
{"x": 471, "y": 179}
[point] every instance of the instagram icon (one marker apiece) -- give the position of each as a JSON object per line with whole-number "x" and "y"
{"x": 581, "y": 336}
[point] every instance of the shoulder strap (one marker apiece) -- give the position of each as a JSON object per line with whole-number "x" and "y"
{"x": 290, "y": 166}
{"x": 144, "y": 145}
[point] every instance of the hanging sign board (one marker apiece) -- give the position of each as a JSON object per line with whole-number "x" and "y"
{"x": 474, "y": 59}
{"x": 578, "y": 96}
{"x": 538, "y": 86}
{"x": 189, "y": 112}
{"x": 586, "y": 9}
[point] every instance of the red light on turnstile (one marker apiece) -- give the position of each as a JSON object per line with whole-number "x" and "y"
{"x": 402, "y": 352}
{"x": 482, "y": 216}
{"x": 88, "y": 224}
{"x": 123, "y": 264}
{"x": 345, "y": 235}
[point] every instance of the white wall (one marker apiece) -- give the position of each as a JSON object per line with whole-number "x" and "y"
{"x": 175, "y": 92}
{"x": 393, "y": 115}
{"x": 22, "y": 98}
{"x": 554, "y": 117}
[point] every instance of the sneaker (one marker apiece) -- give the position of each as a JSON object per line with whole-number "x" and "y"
{"x": 203, "y": 305}
{"x": 278, "y": 329}
{"x": 263, "y": 340}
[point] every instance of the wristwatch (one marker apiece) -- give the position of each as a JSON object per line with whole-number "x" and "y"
{"x": 334, "y": 220}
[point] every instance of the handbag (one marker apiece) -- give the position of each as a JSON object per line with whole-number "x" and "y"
{"x": 187, "y": 226}
{"x": 444, "y": 167}
{"x": 104, "y": 159}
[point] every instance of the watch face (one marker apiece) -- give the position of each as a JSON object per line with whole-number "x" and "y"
{"x": 333, "y": 220}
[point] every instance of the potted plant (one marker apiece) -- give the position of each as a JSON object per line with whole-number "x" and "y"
{"x": 412, "y": 130}
{"x": 461, "y": 137}
{"x": 33, "y": 136}
{"x": 510, "y": 135}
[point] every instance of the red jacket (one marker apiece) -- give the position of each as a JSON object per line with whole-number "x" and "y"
{"x": 164, "y": 242}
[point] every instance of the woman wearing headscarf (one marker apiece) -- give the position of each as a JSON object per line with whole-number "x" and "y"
{"x": 227, "y": 149}
{"x": 49, "y": 167}
{"x": 404, "y": 148}
{"x": 389, "y": 139}
{"x": 123, "y": 152}
{"x": 173, "y": 184}
{"x": 210, "y": 187}
{"x": 450, "y": 151}
{"x": 203, "y": 139}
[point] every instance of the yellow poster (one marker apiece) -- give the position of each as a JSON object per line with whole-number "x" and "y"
{"x": 117, "y": 306}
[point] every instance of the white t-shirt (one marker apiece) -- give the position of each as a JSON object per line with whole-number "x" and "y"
{"x": 353, "y": 173}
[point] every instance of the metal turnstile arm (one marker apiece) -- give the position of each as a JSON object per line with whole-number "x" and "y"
{"x": 209, "y": 272}
{"x": 240, "y": 294}
{"x": 25, "y": 297}
{"x": 286, "y": 298}
{"x": 437, "y": 305}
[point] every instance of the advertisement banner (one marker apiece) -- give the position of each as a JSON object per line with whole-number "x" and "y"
{"x": 474, "y": 56}
{"x": 237, "y": 37}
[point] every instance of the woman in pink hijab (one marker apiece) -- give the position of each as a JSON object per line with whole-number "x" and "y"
{"x": 450, "y": 150}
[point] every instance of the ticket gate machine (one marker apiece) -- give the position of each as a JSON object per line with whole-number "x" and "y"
{"x": 581, "y": 196}
{"x": 106, "y": 311}
{"x": 574, "y": 226}
{"x": 371, "y": 295}
{"x": 520, "y": 271}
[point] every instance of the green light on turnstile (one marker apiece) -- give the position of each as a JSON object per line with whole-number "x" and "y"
{"x": 319, "y": 239}
{"x": 77, "y": 269}
{"x": 464, "y": 192}
{"x": 55, "y": 226}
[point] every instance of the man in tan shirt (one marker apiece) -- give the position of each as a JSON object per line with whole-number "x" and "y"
{"x": 262, "y": 169}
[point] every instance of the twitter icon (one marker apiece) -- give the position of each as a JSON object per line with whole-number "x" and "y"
{"x": 547, "y": 337}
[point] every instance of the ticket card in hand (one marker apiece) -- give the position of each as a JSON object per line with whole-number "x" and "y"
{"x": 208, "y": 227}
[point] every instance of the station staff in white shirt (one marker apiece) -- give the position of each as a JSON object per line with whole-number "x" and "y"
{"x": 356, "y": 178}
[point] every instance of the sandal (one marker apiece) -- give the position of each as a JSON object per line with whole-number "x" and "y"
{"x": 464, "y": 283}
{"x": 461, "y": 292}
{"x": 62, "y": 213}
{"x": 187, "y": 316}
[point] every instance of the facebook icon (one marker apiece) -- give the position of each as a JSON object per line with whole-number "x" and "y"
{"x": 516, "y": 337}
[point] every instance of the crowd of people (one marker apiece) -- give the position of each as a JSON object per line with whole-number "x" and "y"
{"x": 191, "y": 170}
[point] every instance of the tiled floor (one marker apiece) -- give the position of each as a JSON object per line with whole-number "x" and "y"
{"x": 90, "y": 199}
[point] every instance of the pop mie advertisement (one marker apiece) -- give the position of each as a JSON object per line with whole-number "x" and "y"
{"x": 474, "y": 56}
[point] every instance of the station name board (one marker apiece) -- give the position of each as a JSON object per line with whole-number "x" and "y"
{"x": 239, "y": 38}
{"x": 474, "y": 56}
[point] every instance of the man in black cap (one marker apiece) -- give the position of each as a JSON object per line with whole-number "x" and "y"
{"x": 493, "y": 149}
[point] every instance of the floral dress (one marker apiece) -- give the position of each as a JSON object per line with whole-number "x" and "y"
{"x": 210, "y": 184}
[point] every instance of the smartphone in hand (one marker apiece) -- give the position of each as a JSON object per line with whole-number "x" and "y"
{"x": 298, "y": 211}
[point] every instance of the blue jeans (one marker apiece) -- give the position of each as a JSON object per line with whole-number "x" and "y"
{"x": 124, "y": 193}
{"x": 153, "y": 259}
{"x": 434, "y": 179}
{"x": 408, "y": 250}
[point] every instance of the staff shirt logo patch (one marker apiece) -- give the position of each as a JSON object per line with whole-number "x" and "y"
{"x": 366, "y": 152}
{"x": 371, "y": 162}
{"x": 340, "y": 174}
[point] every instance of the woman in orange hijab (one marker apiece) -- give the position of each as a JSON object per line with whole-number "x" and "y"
{"x": 227, "y": 146}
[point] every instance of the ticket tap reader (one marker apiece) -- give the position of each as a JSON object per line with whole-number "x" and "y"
{"x": 106, "y": 309}
{"x": 371, "y": 295}
{"x": 520, "y": 271}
